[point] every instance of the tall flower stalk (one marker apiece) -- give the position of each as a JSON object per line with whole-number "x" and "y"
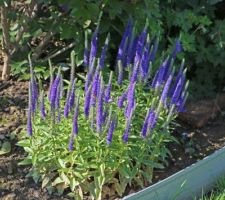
{"x": 111, "y": 130}
{"x": 108, "y": 88}
{"x": 53, "y": 94}
{"x": 29, "y": 112}
{"x": 42, "y": 105}
{"x": 99, "y": 115}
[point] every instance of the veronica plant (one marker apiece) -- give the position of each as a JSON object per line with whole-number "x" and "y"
{"x": 114, "y": 132}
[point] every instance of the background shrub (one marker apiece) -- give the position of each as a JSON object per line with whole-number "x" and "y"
{"x": 199, "y": 23}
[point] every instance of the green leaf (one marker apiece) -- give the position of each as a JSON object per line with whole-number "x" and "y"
{"x": 73, "y": 184}
{"x": 26, "y": 161}
{"x": 120, "y": 188}
{"x": 58, "y": 180}
{"x": 45, "y": 182}
{"x": 29, "y": 150}
{"x": 102, "y": 169}
{"x": 65, "y": 178}
{"x": 212, "y": 2}
{"x": 77, "y": 174}
{"x": 36, "y": 176}
{"x": 93, "y": 8}
{"x": 124, "y": 171}
{"x": 6, "y": 148}
{"x": 61, "y": 162}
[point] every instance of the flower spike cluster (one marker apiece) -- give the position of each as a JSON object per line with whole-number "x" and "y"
{"x": 103, "y": 107}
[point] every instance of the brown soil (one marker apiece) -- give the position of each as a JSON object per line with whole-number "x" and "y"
{"x": 194, "y": 145}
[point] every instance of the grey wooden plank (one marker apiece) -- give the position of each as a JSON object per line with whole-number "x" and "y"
{"x": 187, "y": 183}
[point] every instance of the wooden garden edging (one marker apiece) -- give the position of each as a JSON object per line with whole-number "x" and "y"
{"x": 188, "y": 183}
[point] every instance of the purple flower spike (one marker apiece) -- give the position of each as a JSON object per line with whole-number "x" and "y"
{"x": 152, "y": 121}
{"x": 75, "y": 126}
{"x": 111, "y": 130}
{"x": 108, "y": 88}
{"x": 145, "y": 62}
{"x": 178, "y": 48}
{"x": 34, "y": 94}
{"x": 87, "y": 102}
{"x": 166, "y": 88}
{"x": 29, "y": 113}
{"x": 93, "y": 51}
{"x": 127, "y": 129}
{"x": 95, "y": 87}
{"x": 89, "y": 75}
{"x": 145, "y": 124}
{"x": 33, "y": 88}
{"x": 120, "y": 73}
{"x": 42, "y": 106}
{"x": 140, "y": 46}
{"x": 135, "y": 72}
{"x": 130, "y": 99}
{"x": 122, "y": 46}
{"x": 72, "y": 95}
{"x": 99, "y": 116}
{"x": 182, "y": 102}
{"x": 75, "y": 117}
{"x": 71, "y": 143}
{"x": 161, "y": 73}
{"x": 131, "y": 51}
{"x": 29, "y": 124}
{"x": 66, "y": 109}
{"x": 54, "y": 90}
{"x": 180, "y": 73}
{"x": 178, "y": 90}
{"x": 122, "y": 99}
{"x": 58, "y": 95}
{"x": 105, "y": 115}
{"x": 86, "y": 54}
{"x": 58, "y": 98}
{"x": 103, "y": 54}
{"x": 53, "y": 94}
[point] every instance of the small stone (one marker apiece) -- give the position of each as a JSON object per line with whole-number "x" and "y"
{"x": 6, "y": 109}
{"x": 10, "y": 169}
{"x": 11, "y": 196}
{"x": 12, "y": 109}
{"x": 2, "y": 137}
{"x": 25, "y": 170}
{"x": 36, "y": 194}
{"x": 198, "y": 147}
{"x": 189, "y": 150}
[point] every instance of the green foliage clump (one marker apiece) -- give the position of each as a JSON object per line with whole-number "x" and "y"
{"x": 101, "y": 144}
{"x": 95, "y": 168}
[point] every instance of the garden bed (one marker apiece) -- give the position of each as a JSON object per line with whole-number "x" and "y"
{"x": 197, "y": 144}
